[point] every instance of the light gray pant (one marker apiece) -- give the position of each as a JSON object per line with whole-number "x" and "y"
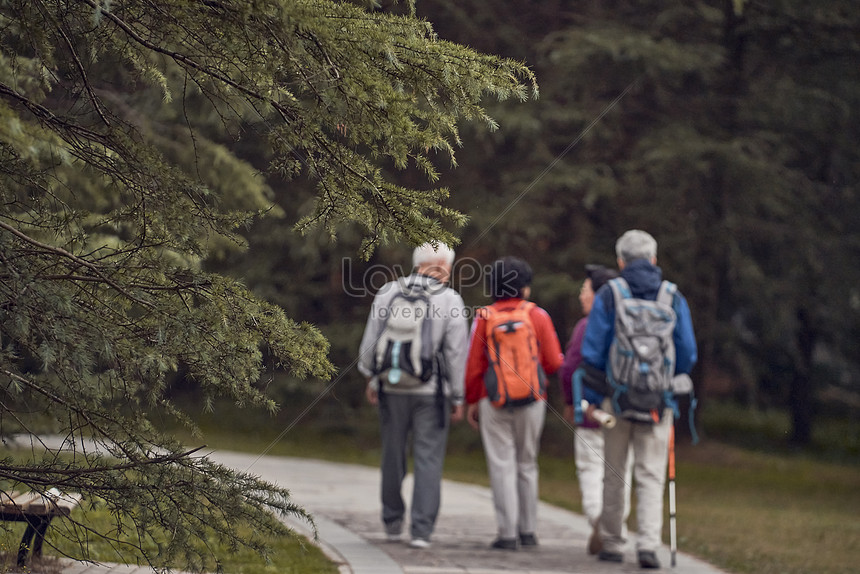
{"x": 589, "y": 457}
{"x": 650, "y": 444}
{"x": 511, "y": 440}
{"x": 402, "y": 416}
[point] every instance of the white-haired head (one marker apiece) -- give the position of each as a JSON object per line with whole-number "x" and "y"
{"x": 427, "y": 254}
{"x": 636, "y": 244}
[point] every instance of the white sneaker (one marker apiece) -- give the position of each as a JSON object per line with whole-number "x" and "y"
{"x": 393, "y": 536}
{"x": 419, "y": 543}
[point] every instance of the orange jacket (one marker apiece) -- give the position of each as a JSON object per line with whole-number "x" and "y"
{"x": 477, "y": 363}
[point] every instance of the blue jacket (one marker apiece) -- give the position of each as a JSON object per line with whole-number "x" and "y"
{"x": 644, "y": 280}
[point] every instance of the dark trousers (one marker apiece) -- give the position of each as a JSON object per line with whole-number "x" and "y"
{"x": 417, "y": 417}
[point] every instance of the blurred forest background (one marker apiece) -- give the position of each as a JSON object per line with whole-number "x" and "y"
{"x": 161, "y": 232}
{"x": 726, "y": 128}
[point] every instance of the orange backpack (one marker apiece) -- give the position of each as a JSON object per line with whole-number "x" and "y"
{"x": 515, "y": 376}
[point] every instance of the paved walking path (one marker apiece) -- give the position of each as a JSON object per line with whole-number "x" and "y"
{"x": 344, "y": 501}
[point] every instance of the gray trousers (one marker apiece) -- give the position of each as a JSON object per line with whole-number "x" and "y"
{"x": 417, "y": 417}
{"x": 511, "y": 439}
{"x": 650, "y": 445}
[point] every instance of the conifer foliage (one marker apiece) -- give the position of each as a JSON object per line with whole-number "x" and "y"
{"x": 116, "y": 183}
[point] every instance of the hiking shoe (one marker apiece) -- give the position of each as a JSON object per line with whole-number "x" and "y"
{"x": 608, "y": 556}
{"x": 504, "y": 544}
{"x": 595, "y": 542}
{"x": 648, "y": 559}
{"x": 419, "y": 543}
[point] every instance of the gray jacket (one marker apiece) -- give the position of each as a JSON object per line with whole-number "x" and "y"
{"x": 450, "y": 335}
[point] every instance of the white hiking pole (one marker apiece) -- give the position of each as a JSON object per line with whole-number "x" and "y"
{"x": 673, "y": 533}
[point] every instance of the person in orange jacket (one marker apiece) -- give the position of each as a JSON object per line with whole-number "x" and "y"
{"x": 511, "y": 429}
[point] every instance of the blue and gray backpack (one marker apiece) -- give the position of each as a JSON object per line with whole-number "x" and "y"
{"x": 641, "y": 362}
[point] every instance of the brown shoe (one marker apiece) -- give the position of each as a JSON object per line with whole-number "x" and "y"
{"x": 595, "y": 542}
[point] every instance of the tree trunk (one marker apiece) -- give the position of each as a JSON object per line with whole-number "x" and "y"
{"x": 801, "y": 396}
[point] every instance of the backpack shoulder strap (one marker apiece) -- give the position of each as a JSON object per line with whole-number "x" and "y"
{"x": 415, "y": 288}
{"x": 485, "y": 312}
{"x": 666, "y": 294}
{"x": 405, "y": 287}
{"x": 620, "y": 289}
{"x": 526, "y": 306}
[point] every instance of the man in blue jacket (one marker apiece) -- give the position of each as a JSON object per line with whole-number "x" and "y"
{"x": 637, "y": 258}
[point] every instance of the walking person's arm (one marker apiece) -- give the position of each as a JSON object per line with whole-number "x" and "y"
{"x": 572, "y": 360}
{"x": 476, "y": 366}
{"x": 686, "y": 351}
{"x": 551, "y": 356}
{"x": 367, "y": 348}
{"x": 599, "y": 332}
{"x": 455, "y": 348}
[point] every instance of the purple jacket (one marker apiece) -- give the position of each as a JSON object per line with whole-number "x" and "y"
{"x": 572, "y": 361}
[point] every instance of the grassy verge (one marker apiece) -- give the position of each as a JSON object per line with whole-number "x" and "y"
{"x": 73, "y": 538}
{"x": 754, "y": 512}
{"x": 293, "y": 555}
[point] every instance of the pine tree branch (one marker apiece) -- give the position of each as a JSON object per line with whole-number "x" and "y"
{"x": 181, "y": 58}
{"x": 17, "y": 472}
{"x": 80, "y": 67}
{"x": 84, "y": 263}
{"x": 47, "y": 116}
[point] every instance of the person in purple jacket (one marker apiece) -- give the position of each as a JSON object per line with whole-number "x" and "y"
{"x": 588, "y": 436}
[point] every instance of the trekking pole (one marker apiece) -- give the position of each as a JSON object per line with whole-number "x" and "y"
{"x": 673, "y": 533}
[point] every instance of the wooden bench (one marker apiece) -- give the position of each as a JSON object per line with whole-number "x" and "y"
{"x": 37, "y": 511}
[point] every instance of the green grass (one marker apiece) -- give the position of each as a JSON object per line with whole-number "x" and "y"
{"x": 288, "y": 555}
{"x": 74, "y": 538}
{"x": 754, "y": 512}
{"x": 833, "y": 439}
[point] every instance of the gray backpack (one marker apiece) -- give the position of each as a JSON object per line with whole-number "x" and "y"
{"x": 642, "y": 355}
{"x": 404, "y": 355}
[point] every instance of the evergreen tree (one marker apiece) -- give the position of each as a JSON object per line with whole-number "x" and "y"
{"x": 118, "y": 180}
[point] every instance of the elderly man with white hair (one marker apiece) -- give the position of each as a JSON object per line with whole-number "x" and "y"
{"x": 413, "y": 355}
{"x": 637, "y": 261}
